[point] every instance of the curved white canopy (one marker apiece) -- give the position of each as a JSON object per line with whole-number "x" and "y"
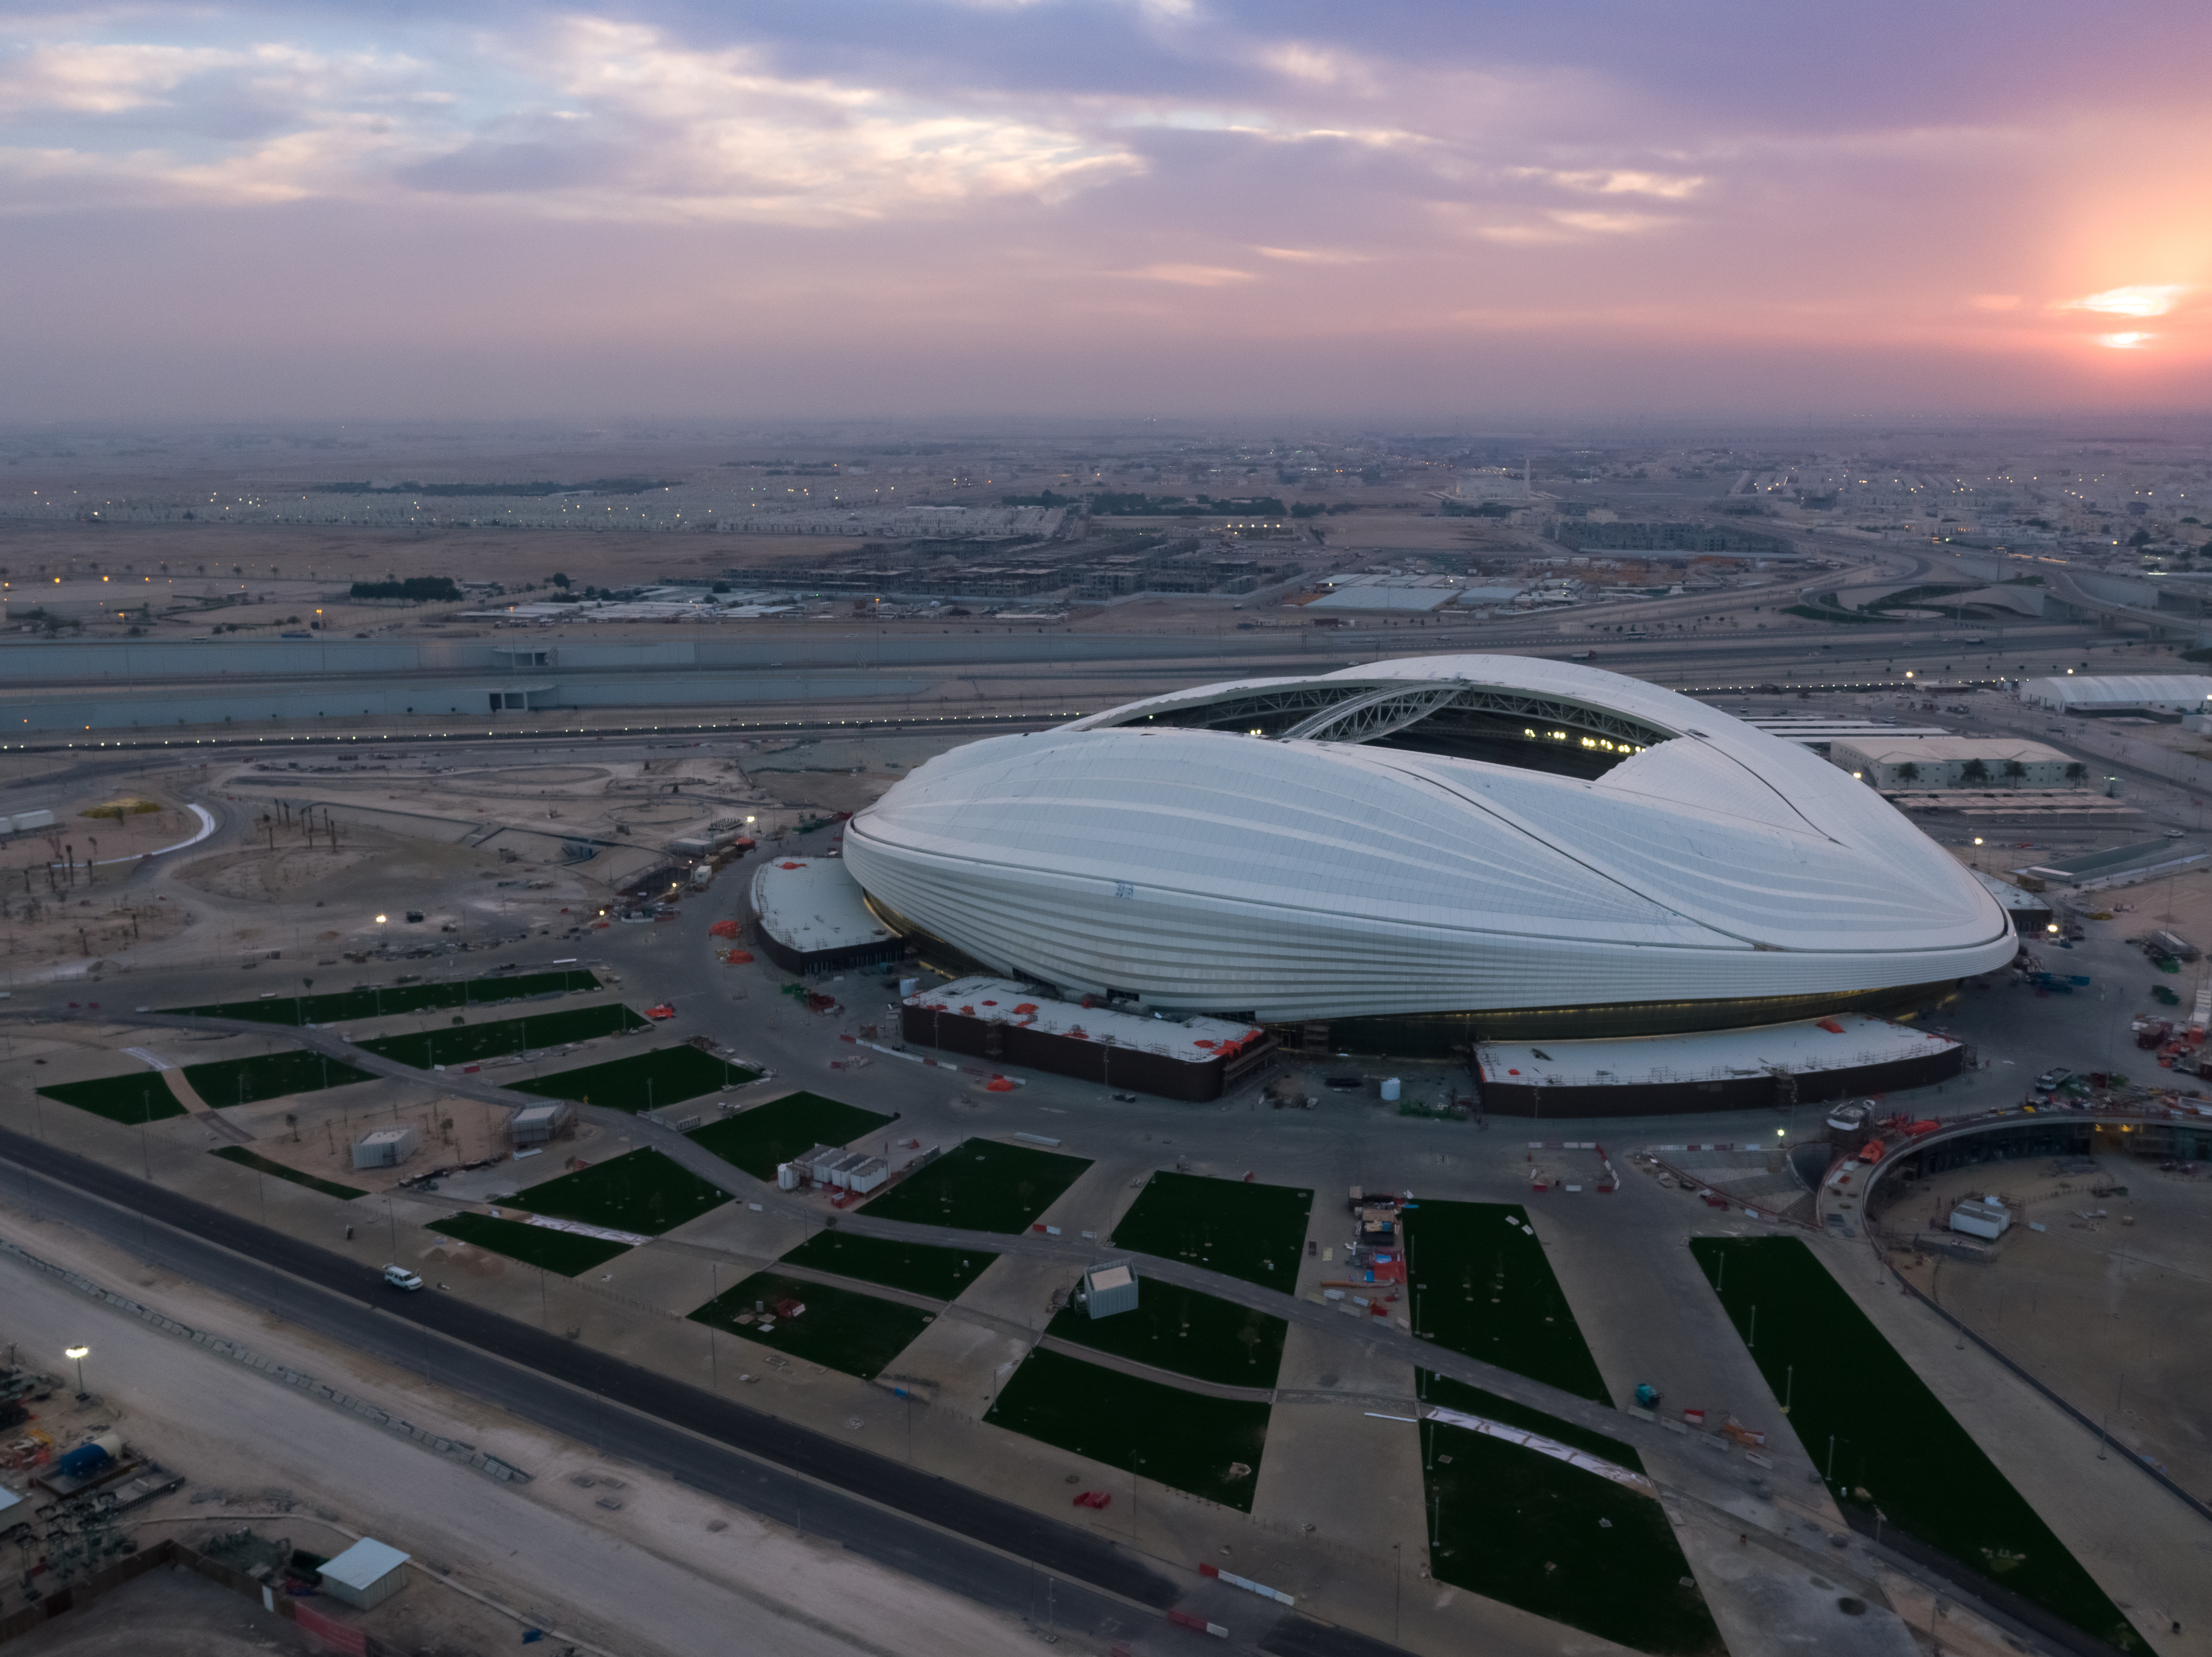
{"x": 1297, "y": 879}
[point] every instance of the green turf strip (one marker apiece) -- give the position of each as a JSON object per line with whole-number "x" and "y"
{"x": 758, "y": 1139}
{"x": 464, "y": 1044}
{"x": 246, "y": 1159}
{"x": 1252, "y": 1232}
{"x": 141, "y": 1096}
{"x": 1182, "y": 1330}
{"x": 641, "y": 1191}
{"x": 917, "y": 1268}
{"x": 1482, "y": 1287}
{"x": 642, "y": 1081}
{"x": 369, "y": 1003}
{"x": 272, "y": 1076}
{"x": 1182, "y": 1439}
{"x": 562, "y": 1252}
{"x": 1538, "y": 1534}
{"x": 1908, "y": 1456}
{"x": 840, "y": 1328}
{"x": 981, "y": 1185}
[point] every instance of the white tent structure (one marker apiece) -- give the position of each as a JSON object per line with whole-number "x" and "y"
{"x": 2161, "y": 693}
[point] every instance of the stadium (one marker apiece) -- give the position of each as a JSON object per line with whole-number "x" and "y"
{"x": 1425, "y": 853}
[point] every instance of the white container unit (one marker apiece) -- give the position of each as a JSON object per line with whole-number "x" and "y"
{"x": 387, "y": 1148}
{"x": 1982, "y": 1217}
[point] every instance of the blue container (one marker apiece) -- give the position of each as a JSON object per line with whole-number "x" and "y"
{"x": 84, "y": 1461}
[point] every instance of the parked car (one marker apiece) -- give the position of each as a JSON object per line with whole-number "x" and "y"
{"x": 665, "y": 1010}
{"x": 2053, "y": 1077}
{"x": 400, "y": 1277}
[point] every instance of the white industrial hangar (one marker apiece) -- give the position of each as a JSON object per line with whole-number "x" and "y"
{"x": 2121, "y": 693}
{"x": 1426, "y": 852}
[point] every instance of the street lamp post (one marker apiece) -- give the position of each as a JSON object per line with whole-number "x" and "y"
{"x": 78, "y": 1353}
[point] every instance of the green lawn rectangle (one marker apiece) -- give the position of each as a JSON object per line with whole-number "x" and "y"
{"x": 272, "y": 1076}
{"x": 141, "y": 1096}
{"x": 1477, "y": 1282}
{"x": 465, "y": 1043}
{"x": 1535, "y": 1532}
{"x": 562, "y": 1252}
{"x": 917, "y": 1268}
{"x": 1180, "y": 1328}
{"x": 840, "y": 1328}
{"x": 1253, "y": 1232}
{"x": 336, "y": 1008}
{"x": 642, "y": 1192}
{"x": 1182, "y": 1439}
{"x": 642, "y": 1081}
{"x": 758, "y": 1139}
{"x": 980, "y": 1185}
{"x": 246, "y": 1159}
{"x": 1908, "y": 1455}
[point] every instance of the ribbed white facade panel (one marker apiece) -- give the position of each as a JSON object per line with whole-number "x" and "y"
{"x": 1289, "y": 880}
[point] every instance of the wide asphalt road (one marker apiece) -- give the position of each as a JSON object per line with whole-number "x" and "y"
{"x": 990, "y": 1550}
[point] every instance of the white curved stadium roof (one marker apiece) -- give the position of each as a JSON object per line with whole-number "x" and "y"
{"x": 1293, "y": 877}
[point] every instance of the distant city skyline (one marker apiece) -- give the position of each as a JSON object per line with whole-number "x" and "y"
{"x": 1169, "y": 207}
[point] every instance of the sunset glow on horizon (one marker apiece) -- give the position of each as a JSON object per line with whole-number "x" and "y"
{"x": 1057, "y": 205}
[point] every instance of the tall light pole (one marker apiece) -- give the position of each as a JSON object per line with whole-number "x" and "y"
{"x": 78, "y": 1353}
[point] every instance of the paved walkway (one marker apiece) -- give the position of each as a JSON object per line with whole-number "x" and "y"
{"x": 200, "y": 1110}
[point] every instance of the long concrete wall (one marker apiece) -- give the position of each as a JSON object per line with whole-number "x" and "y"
{"x": 175, "y": 660}
{"x": 260, "y": 701}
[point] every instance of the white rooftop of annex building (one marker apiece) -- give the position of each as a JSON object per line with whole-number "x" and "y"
{"x": 1815, "y": 731}
{"x": 1196, "y": 1040}
{"x": 1845, "y": 1041}
{"x": 2013, "y": 896}
{"x": 1390, "y": 592}
{"x": 1887, "y": 745}
{"x": 810, "y": 903}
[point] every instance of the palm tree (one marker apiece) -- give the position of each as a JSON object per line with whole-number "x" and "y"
{"x": 2014, "y": 771}
{"x": 1974, "y": 773}
{"x": 2076, "y": 773}
{"x": 1908, "y": 772}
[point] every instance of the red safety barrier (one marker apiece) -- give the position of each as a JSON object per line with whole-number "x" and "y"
{"x": 1183, "y": 1619}
{"x": 332, "y": 1633}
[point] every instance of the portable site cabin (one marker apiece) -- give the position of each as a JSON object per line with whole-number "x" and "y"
{"x": 814, "y": 1165}
{"x": 1108, "y": 1289}
{"x": 387, "y": 1148}
{"x": 1982, "y": 1217}
{"x": 367, "y": 1573}
{"x": 539, "y": 1124}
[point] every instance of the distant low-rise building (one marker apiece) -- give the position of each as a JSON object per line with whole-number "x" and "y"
{"x": 1952, "y": 762}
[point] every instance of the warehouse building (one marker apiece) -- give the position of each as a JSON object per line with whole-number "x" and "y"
{"x": 1953, "y": 762}
{"x": 2168, "y": 694}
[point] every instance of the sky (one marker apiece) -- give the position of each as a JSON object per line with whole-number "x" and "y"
{"x": 1396, "y": 210}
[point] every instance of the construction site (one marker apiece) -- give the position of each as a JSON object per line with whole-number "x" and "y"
{"x": 460, "y": 1102}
